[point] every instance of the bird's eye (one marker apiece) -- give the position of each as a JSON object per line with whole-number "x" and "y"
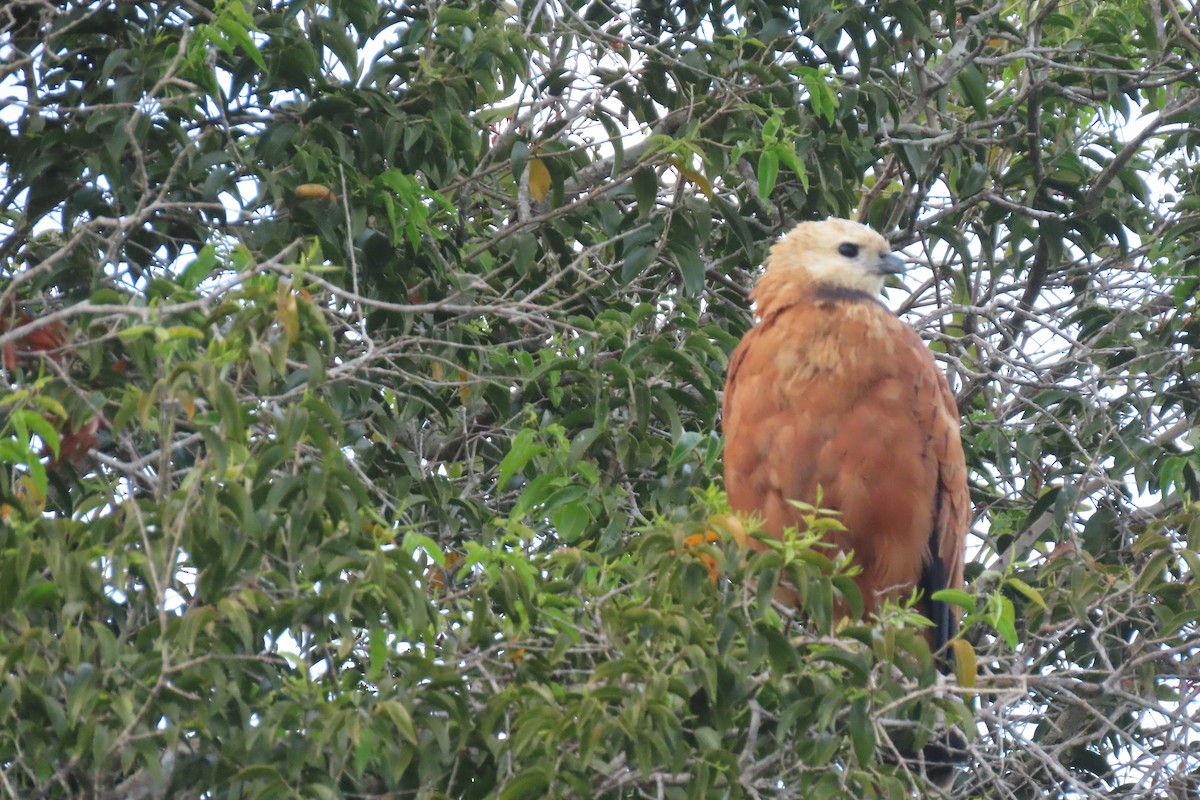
{"x": 848, "y": 250}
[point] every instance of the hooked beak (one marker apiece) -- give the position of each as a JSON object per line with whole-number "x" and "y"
{"x": 891, "y": 264}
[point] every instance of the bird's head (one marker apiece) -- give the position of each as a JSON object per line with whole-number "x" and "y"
{"x": 836, "y": 252}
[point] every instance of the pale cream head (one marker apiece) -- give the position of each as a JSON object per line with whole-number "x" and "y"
{"x": 836, "y": 252}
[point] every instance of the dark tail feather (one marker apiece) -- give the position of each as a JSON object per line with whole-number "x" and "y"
{"x": 941, "y": 758}
{"x": 934, "y": 578}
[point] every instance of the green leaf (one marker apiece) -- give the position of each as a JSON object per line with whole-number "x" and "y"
{"x": 401, "y": 719}
{"x": 522, "y": 450}
{"x": 636, "y": 261}
{"x": 520, "y": 157}
{"x": 862, "y": 731}
{"x": 237, "y": 33}
{"x": 182, "y": 332}
{"x": 571, "y": 521}
{"x": 26, "y": 421}
{"x": 683, "y": 447}
{"x": 259, "y": 772}
{"x": 449, "y": 15}
{"x": 227, "y": 405}
{"x": 1031, "y": 593}
{"x": 414, "y": 541}
{"x": 41, "y": 594}
{"x": 532, "y": 782}
{"x": 768, "y": 171}
{"x": 956, "y": 597}
{"x": 790, "y": 159}
{"x": 645, "y": 188}
{"x": 199, "y": 269}
{"x": 377, "y": 655}
{"x": 857, "y": 662}
{"x": 1003, "y": 619}
{"x": 974, "y": 86}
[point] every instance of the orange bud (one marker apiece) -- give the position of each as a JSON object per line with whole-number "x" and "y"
{"x": 315, "y": 191}
{"x": 697, "y": 539}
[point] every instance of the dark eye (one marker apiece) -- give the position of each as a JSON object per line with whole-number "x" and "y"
{"x": 848, "y": 250}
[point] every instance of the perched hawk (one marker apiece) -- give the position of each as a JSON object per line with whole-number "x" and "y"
{"x": 831, "y": 390}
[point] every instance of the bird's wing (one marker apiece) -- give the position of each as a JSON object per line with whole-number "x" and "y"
{"x": 762, "y": 472}
{"x": 955, "y": 517}
{"x": 953, "y": 510}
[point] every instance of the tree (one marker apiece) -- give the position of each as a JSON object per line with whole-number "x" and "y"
{"x": 361, "y": 373}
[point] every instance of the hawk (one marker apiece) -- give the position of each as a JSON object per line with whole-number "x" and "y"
{"x": 831, "y": 392}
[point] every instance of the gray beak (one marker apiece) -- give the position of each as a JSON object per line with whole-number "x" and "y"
{"x": 891, "y": 264}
